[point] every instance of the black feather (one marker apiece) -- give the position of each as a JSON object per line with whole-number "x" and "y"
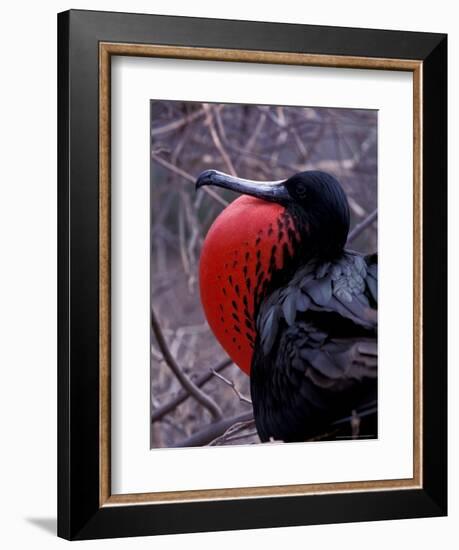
{"x": 315, "y": 359}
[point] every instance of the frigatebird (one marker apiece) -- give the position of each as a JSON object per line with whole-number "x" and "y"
{"x": 292, "y": 307}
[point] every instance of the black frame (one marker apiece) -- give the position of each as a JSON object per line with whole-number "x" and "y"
{"x": 79, "y": 514}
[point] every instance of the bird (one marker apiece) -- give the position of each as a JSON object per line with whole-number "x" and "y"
{"x": 292, "y": 306}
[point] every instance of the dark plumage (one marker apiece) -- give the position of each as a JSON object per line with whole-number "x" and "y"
{"x": 314, "y": 364}
{"x": 315, "y": 359}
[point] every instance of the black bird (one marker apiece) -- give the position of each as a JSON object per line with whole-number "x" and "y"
{"x": 293, "y": 307}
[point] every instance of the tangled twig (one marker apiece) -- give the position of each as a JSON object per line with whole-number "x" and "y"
{"x": 233, "y": 429}
{"x": 232, "y": 385}
{"x": 187, "y": 384}
{"x": 359, "y": 228}
{"x": 183, "y": 395}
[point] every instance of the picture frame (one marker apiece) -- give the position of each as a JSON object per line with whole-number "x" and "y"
{"x": 87, "y": 41}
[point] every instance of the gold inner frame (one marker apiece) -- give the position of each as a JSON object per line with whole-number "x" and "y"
{"x": 106, "y": 51}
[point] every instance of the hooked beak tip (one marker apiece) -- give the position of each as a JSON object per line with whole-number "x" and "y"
{"x": 205, "y": 178}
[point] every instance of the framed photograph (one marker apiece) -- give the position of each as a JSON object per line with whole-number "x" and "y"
{"x": 252, "y": 274}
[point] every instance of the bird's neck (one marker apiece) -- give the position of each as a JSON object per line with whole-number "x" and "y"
{"x": 252, "y": 248}
{"x": 321, "y": 236}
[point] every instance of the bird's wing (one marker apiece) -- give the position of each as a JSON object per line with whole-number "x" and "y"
{"x": 332, "y": 364}
{"x": 318, "y": 342}
{"x": 314, "y": 381}
{"x": 345, "y": 289}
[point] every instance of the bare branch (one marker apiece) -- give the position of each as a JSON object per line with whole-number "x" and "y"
{"x": 216, "y": 139}
{"x": 232, "y": 385}
{"x": 253, "y": 138}
{"x": 176, "y": 124}
{"x": 359, "y": 228}
{"x": 282, "y": 123}
{"x": 183, "y": 395}
{"x": 186, "y": 383}
{"x": 212, "y": 431}
{"x": 355, "y": 206}
{"x": 236, "y": 427}
{"x": 238, "y": 437}
{"x": 183, "y": 252}
{"x": 355, "y": 425}
{"x": 247, "y": 152}
{"x": 173, "y": 168}
{"x": 188, "y": 177}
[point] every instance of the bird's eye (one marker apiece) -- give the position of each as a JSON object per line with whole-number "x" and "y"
{"x": 301, "y": 190}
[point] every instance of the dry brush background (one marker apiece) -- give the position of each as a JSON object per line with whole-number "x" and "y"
{"x": 198, "y": 397}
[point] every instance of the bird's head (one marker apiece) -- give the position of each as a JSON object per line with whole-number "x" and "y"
{"x": 315, "y": 199}
{"x": 258, "y": 241}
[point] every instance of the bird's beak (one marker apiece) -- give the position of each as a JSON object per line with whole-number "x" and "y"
{"x": 273, "y": 191}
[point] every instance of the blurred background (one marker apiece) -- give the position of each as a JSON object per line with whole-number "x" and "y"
{"x": 198, "y": 397}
